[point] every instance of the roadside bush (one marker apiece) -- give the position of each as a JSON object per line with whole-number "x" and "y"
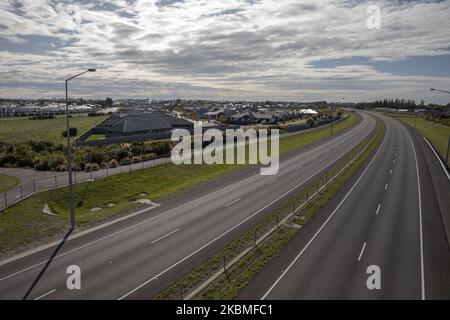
{"x": 136, "y": 159}
{"x": 91, "y": 167}
{"x": 125, "y": 161}
{"x": 311, "y": 122}
{"x": 104, "y": 165}
{"x": 41, "y": 145}
{"x": 95, "y": 157}
{"x": 122, "y": 154}
{"x": 161, "y": 148}
{"x": 113, "y": 163}
{"x": 148, "y": 156}
{"x": 61, "y": 168}
{"x": 46, "y": 161}
{"x": 72, "y": 130}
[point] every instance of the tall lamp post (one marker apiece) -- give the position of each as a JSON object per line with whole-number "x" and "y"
{"x": 69, "y": 152}
{"x": 448, "y": 142}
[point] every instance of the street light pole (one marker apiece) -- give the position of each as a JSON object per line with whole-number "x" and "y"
{"x": 69, "y": 152}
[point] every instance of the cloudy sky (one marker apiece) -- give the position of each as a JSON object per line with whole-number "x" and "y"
{"x": 225, "y": 49}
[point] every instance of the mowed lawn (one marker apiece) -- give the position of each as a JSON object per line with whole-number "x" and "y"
{"x": 21, "y": 129}
{"x": 25, "y": 223}
{"x": 7, "y": 182}
{"x": 436, "y": 133}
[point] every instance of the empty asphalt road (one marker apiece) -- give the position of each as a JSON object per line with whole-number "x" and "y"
{"x": 392, "y": 217}
{"x": 138, "y": 257}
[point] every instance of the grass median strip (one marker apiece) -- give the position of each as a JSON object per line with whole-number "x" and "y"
{"x": 24, "y": 223}
{"x": 292, "y": 215}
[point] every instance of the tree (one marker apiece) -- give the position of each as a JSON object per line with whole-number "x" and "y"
{"x": 108, "y": 102}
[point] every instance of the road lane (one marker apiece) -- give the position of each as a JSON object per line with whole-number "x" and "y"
{"x": 385, "y": 222}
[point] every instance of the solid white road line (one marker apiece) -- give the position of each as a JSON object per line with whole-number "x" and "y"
{"x": 378, "y": 209}
{"x": 439, "y": 159}
{"x": 324, "y": 224}
{"x": 273, "y": 181}
{"x": 390, "y": 171}
{"x": 386, "y": 186}
{"x": 45, "y": 294}
{"x": 233, "y": 202}
{"x": 393, "y": 161}
{"x": 362, "y": 251}
{"x": 422, "y": 272}
{"x": 165, "y": 236}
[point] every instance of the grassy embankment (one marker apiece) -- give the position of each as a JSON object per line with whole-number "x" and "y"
{"x": 227, "y": 286}
{"x": 22, "y": 130}
{"x": 7, "y": 182}
{"x": 436, "y": 133}
{"x": 24, "y": 223}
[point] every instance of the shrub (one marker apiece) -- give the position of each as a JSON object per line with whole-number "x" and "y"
{"x": 311, "y": 122}
{"x": 61, "y": 168}
{"x": 46, "y": 161}
{"x": 95, "y": 157}
{"x": 91, "y": 167}
{"x": 148, "y": 156}
{"x": 113, "y": 163}
{"x": 72, "y": 130}
{"x": 136, "y": 159}
{"x": 125, "y": 161}
{"x": 104, "y": 165}
{"x": 41, "y": 145}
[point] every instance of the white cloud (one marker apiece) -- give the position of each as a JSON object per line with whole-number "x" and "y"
{"x": 226, "y": 49}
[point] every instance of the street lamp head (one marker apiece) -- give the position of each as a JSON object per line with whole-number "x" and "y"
{"x": 92, "y": 70}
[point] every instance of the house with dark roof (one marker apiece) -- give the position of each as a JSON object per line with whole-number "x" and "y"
{"x": 242, "y": 118}
{"x": 133, "y": 124}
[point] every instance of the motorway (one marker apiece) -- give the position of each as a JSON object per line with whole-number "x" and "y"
{"x": 138, "y": 257}
{"x": 393, "y": 215}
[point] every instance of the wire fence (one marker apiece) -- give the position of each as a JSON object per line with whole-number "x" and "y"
{"x": 61, "y": 179}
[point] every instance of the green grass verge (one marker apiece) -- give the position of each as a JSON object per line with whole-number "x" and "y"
{"x": 21, "y": 129}
{"x": 25, "y": 223}
{"x": 7, "y": 182}
{"x": 436, "y": 133}
{"x": 228, "y": 286}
